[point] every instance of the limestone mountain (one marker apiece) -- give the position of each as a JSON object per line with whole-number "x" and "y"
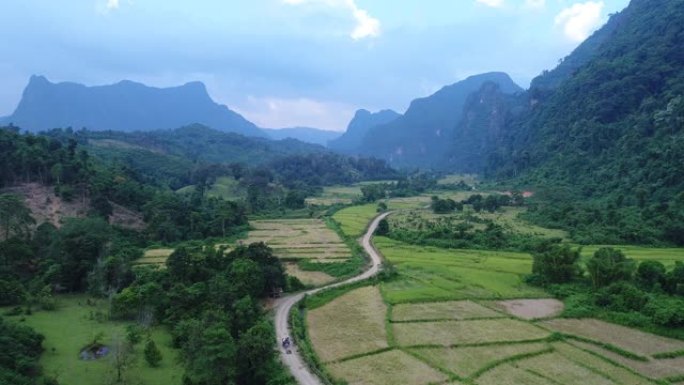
{"x": 358, "y": 127}
{"x": 422, "y": 136}
{"x": 124, "y": 106}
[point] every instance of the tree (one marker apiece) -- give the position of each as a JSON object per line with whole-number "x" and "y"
{"x": 121, "y": 357}
{"x": 555, "y": 264}
{"x": 15, "y": 217}
{"x": 152, "y": 354}
{"x": 609, "y": 265}
{"x": 383, "y": 228}
{"x": 210, "y": 356}
{"x": 650, "y": 273}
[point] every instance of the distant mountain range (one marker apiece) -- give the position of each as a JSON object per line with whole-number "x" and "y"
{"x": 359, "y": 126}
{"x": 304, "y": 134}
{"x": 124, "y": 106}
{"x": 425, "y": 134}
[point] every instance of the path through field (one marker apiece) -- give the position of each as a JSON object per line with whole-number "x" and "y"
{"x": 294, "y": 361}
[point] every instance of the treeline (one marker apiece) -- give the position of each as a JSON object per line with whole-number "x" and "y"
{"x": 405, "y": 186}
{"x": 210, "y": 300}
{"x": 613, "y": 286}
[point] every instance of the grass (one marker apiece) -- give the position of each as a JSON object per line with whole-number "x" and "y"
{"x": 628, "y": 339}
{"x": 387, "y": 368}
{"x": 354, "y": 220}
{"x": 74, "y": 324}
{"x": 450, "y": 333}
{"x": 352, "y": 324}
{"x": 432, "y": 274}
{"x": 470, "y": 179}
{"x": 668, "y": 256}
{"x": 454, "y": 310}
{"x": 336, "y": 195}
{"x": 155, "y": 257}
{"x": 225, "y": 187}
{"x": 310, "y": 278}
{"x": 467, "y": 361}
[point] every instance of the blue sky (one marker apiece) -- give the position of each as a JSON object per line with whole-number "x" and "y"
{"x": 290, "y": 62}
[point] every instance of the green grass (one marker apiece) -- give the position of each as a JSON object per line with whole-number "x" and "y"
{"x": 69, "y": 328}
{"x": 224, "y": 187}
{"x": 355, "y": 219}
{"x": 668, "y": 256}
{"x": 434, "y": 274}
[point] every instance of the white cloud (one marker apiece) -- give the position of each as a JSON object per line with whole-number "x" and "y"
{"x": 535, "y": 3}
{"x": 112, "y": 4}
{"x": 491, "y": 3}
{"x": 366, "y": 25}
{"x": 581, "y": 19}
{"x": 271, "y": 112}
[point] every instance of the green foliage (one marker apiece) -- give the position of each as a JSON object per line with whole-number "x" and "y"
{"x": 15, "y": 217}
{"x": 152, "y": 354}
{"x": 21, "y": 350}
{"x": 609, "y": 265}
{"x": 383, "y": 228}
{"x": 555, "y": 264}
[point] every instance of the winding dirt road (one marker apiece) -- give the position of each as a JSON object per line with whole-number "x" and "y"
{"x": 294, "y": 361}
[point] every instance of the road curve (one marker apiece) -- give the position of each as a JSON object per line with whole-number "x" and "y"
{"x": 294, "y": 361}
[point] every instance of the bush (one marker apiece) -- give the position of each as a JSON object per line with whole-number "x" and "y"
{"x": 152, "y": 354}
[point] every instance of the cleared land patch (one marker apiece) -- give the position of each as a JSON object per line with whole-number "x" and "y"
{"x": 352, "y": 324}
{"x": 315, "y": 278}
{"x": 455, "y": 310}
{"x": 466, "y": 361}
{"x": 154, "y": 257}
{"x": 449, "y": 333}
{"x": 387, "y": 368}
{"x": 530, "y": 309}
{"x": 434, "y": 274}
{"x": 631, "y": 340}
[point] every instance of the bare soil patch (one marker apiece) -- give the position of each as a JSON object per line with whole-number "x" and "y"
{"x": 530, "y": 309}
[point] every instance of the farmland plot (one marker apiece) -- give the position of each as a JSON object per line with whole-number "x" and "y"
{"x": 455, "y": 310}
{"x": 387, "y": 368}
{"x": 156, "y": 257}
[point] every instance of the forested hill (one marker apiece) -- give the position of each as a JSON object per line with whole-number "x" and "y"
{"x": 124, "y": 106}
{"x": 422, "y": 135}
{"x": 359, "y": 126}
{"x": 609, "y": 138}
{"x": 304, "y": 134}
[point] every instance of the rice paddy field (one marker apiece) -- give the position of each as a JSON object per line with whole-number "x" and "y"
{"x": 154, "y": 257}
{"x": 466, "y": 317}
{"x": 668, "y": 256}
{"x": 336, "y": 195}
{"x": 302, "y": 243}
{"x": 74, "y": 324}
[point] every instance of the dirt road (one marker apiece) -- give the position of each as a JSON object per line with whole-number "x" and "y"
{"x": 294, "y": 361}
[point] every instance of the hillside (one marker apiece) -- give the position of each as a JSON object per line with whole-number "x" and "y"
{"x": 358, "y": 127}
{"x": 124, "y": 106}
{"x": 422, "y": 135}
{"x": 303, "y": 134}
{"x": 610, "y": 137}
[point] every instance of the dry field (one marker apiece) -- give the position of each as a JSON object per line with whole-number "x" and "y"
{"x": 387, "y": 368}
{"x": 454, "y": 310}
{"x": 450, "y": 333}
{"x": 301, "y": 239}
{"x": 314, "y": 278}
{"x": 467, "y": 361}
{"x": 656, "y": 369}
{"x": 155, "y": 257}
{"x": 631, "y": 340}
{"x": 351, "y": 324}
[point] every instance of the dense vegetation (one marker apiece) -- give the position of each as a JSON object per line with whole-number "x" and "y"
{"x": 21, "y": 349}
{"x": 614, "y": 287}
{"x": 606, "y": 132}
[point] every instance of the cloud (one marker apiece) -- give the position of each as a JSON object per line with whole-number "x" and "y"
{"x": 112, "y": 4}
{"x": 491, "y": 3}
{"x": 581, "y": 19}
{"x": 535, "y": 3}
{"x": 273, "y": 112}
{"x": 366, "y": 25}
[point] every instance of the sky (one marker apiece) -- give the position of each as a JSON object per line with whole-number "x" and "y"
{"x": 285, "y": 63}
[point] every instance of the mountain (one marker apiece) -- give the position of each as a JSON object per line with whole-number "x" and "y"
{"x": 359, "y": 126}
{"x": 124, "y": 106}
{"x": 304, "y": 134}
{"x": 606, "y": 141}
{"x": 422, "y": 136}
